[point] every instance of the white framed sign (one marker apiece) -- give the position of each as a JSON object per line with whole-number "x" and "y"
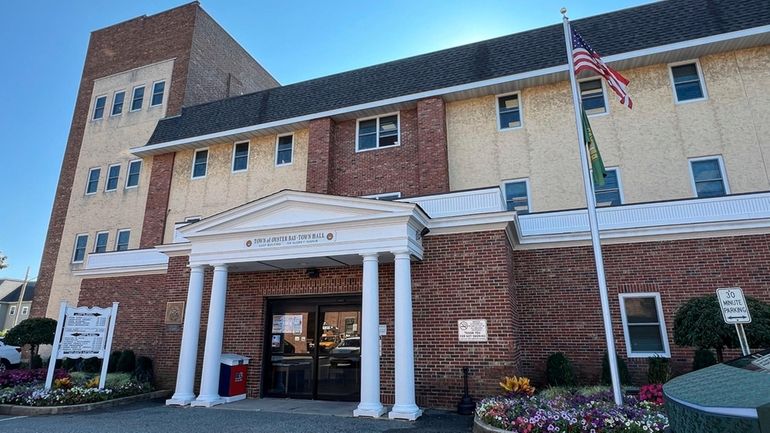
{"x": 472, "y": 330}
{"x": 83, "y": 332}
{"x": 733, "y": 304}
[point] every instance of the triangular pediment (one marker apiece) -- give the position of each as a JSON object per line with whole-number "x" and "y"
{"x": 294, "y": 209}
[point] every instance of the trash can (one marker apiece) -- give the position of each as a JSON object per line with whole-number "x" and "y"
{"x": 232, "y": 377}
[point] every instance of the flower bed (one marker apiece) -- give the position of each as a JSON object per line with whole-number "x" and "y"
{"x": 572, "y": 413}
{"x": 26, "y": 388}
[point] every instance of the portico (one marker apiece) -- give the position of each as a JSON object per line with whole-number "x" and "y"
{"x": 291, "y": 230}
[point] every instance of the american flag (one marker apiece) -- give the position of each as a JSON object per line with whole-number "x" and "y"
{"x": 585, "y": 58}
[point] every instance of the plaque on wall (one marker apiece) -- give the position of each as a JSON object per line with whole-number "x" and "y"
{"x": 174, "y": 313}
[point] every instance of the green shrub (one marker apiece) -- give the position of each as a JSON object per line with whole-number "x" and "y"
{"x": 126, "y": 362}
{"x": 144, "y": 372}
{"x": 625, "y": 377}
{"x": 699, "y": 323}
{"x": 112, "y": 365}
{"x": 658, "y": 370}
{"x": 559, "y": 371}
{"x": 117, "y": 380}
{"x": 34, "y": 331}
{"x": 703, "y": 358}
{"x": 91, "y": 365}
{"x": 68, "y": 364}
{"x": 80, "y": 378}
{"x": 36, "y": 361}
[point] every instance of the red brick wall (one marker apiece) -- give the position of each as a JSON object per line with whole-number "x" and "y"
{"x": 131, "y": 44}
{"x": 559, "y": 301}
{"x": 319, "y": 160}
{"x": 432, "y": 152}
{"x": 157, "y": 200}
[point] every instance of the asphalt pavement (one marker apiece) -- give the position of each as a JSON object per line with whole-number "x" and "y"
{"x": 155, "y": 417}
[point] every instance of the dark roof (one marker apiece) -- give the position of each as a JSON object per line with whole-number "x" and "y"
{"x": 617, "y": 32}
{"x": 29, "y": 293}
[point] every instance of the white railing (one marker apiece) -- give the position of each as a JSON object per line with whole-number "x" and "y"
{"x": 149, "y": 258}
{"x": 691, "y": 213}
{"x": 460, "y": 203}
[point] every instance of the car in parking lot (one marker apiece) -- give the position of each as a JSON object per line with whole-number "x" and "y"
{"x": 10, "y": 356}
{"x": 347, "y": 353}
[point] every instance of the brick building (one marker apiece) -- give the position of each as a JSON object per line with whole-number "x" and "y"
{"x": 337, "y": 231}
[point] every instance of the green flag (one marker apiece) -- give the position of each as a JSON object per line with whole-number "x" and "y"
{"x": 595, "y": 158}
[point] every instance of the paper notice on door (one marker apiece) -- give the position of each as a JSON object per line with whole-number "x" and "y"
{"x": 287, "y": 324}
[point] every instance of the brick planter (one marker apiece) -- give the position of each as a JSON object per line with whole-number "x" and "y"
{"x": 15, "y": 410}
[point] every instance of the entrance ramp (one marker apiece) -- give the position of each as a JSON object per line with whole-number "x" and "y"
{"x": 286, "y": 405}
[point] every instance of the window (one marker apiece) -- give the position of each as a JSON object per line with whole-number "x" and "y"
{"x": 113, "y": 174}
{"x": 93, "y": 180}
{"x": 101, "y": 101}
{"x": 241, "y": 156}
{"x": 376, "y": 133}
{"x": 200, "y": 161}
{"x": 517, "y": 196}
{"x": 708, "y": 178}
{"x": 12, "y": 310}
{"x": 610, "y": 194}
{"x": 24, "y": 310}
{"x": 388, "y": 196}
{"x": 688, "y": 82}
{"x": 157, "y": 93}
{"x": 121, "y": 242}
{"x": 80, "y": 248}
{"x": 137, "y": 98}
{"x": 117, "y": 102}
{"x": 132, "y": 178}
{"x": 592, "y": 96}
{"x": 283, "y": 150}
{"x": 100, "y": 244}
{"x": 509, "y": 111}
{"x": 643, "y": 325}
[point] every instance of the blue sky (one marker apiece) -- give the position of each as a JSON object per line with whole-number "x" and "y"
{"x": 44, "y": 45}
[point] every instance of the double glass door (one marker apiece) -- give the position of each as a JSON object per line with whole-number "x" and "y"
{"x": 313, "y": 349}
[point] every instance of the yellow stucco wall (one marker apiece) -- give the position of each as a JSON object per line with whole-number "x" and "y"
{"x": 222, "y": 189}
{"x": 105, "y": 142}
{"x": 650, "y": 144}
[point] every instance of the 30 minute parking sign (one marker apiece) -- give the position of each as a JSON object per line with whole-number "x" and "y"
{"x": 733, "y": 305}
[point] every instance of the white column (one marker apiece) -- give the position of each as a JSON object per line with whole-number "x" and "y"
{"x": 209, "y": 395}
{"x": 188, "y": 352}
{"x": 370, "y": 341}
{"x": 405, "y": 407}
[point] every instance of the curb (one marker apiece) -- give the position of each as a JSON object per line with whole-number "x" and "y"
{"x": 12, "y": 409}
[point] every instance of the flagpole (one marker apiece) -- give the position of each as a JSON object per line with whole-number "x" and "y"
{"x": 592, "y": 221}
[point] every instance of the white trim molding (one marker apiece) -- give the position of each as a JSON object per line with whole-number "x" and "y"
{"x": 129, "y": 262}
{"x": 666, "y": 352}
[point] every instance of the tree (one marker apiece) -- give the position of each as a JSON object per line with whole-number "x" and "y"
{"x": 3, "y": 260}
{"x": 698, "y": 323}
{"x": 34, "y": 331}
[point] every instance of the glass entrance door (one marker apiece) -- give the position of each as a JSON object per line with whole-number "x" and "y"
{"x": 313, "y": 349}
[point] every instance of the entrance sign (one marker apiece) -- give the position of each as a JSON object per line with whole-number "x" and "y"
{"x": 83, "y": 332}
{"x": 473, "y": 330}
{"x": 735, "y": 311}
{"x": 733, "y": 305}
{"x": 291, "y": 239}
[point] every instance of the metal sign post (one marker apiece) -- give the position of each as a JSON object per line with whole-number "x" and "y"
{"x": 735, "y": 311}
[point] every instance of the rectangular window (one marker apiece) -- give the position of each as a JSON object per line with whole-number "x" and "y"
{"x": 121, "y": 242}
{"x": 643, "y": 325}
{"x": 378, "y": 132}
{"x": 688, "y": 82}
{"x": 509, "y": 111}
{"x": 611, "y": 193}
{"x": 157, "y": 93}
{"x": 24, "y": 310}
{"x": 134, "y": 168}
{"x": 200, "y": 161}
{"x": 101, "y": 101}
{"x": 113, "y": 174}
{"x": 137, "y": 98}
{"x": 80, "y": 248}
{"x": 241, "y": 156}
{"x": 592, "y": 96}
{"x": 708, "y": 179}
{"x": 93, "y": 180}
{"x": 517, "y": 196}
{"x": 117, "y": 102}
{"x": 388, "y": 196}
{"x": 284, "y": 149}
{"x": 100, "y": 244}
{"x": 12, "y": 310}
